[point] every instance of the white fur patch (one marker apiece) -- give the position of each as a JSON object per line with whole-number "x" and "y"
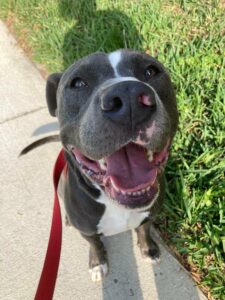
{"x": 98, "y": 272}
{"x": 117, "y": 219}
{"x": 155, "y": 261}
{"x": 114, "y": 59}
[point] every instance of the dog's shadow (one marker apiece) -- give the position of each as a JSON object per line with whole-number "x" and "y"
{"x": 132, "y": 276}
{"x": 95, "y": 30}
{"x": 122, "y": 281}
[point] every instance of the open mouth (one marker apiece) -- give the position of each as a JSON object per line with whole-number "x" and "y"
{"x": 129, "y": 176}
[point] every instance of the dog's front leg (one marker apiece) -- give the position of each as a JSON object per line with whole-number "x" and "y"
{"x": 147, "y": 245}
{"x": 98, "y": 265}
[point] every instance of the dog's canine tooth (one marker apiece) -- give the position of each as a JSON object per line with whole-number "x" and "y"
{"x": 102, "y": 164}
{"x": 114, "y": 186}
{"x": 150, "y": 155}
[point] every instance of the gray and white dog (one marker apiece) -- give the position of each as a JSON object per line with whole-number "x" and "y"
{"x": 117, "y": 114}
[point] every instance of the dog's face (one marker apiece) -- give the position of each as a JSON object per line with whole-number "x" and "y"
{"x": 118, "y": 115}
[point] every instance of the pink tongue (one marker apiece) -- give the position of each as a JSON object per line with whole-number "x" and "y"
{"x": 129, "y": 168}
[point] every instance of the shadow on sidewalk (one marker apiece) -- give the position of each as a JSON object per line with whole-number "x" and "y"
{"x": 122, "y": 281}
{"x": 133, "y": 277}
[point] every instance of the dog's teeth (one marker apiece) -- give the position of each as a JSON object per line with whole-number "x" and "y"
{"x": 89, "y": 172}
{"x": 150, "y": 155}
{"x": 79, "y": 162}
{"x": 102, "y": 164}
{"x": 137, "y": 193}
{"x": 114, "y": 186}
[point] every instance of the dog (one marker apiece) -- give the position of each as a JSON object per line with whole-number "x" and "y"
{"x": 117, "y": 116}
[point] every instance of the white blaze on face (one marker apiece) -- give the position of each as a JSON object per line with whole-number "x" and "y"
{"x": 146, "y": 134}
{"x": 114, "y": 59}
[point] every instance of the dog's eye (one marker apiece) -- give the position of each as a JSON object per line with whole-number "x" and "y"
{"x": 77, "y": 83}
{"x": 150, "y": 71}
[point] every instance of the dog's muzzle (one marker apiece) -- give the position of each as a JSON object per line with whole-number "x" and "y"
{"x": 127, "y": 103}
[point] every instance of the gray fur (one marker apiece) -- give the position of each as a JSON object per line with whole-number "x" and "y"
{"x": 92, "y": 119}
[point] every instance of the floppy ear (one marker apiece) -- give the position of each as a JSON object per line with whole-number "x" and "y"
{"x": 51, "y": 90}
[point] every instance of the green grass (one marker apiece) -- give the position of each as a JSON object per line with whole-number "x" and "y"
{"x": 188, "y": 37}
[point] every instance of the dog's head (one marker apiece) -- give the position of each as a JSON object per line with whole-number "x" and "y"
{"x": 117, "y": 114}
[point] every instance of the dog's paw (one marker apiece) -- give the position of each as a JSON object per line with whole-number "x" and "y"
{"x": 98, "y": 272}
{"x": 151, "y": 252}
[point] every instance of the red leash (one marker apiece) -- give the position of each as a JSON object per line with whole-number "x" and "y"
{"x": 48, "y": 277}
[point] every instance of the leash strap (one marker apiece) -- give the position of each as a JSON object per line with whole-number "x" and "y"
{"x": 48, "y": 277}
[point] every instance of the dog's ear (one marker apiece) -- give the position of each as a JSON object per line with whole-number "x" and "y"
{"x": 51, "y": 90}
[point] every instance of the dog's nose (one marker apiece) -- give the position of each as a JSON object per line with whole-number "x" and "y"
{"x": 128, "y": 102}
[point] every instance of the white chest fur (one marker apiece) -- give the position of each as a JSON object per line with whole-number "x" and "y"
{"x": 117, "y": 219}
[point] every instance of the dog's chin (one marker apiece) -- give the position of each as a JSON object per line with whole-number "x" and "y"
{"x": 129, "y": 176}
{"x": 139, "y": 200}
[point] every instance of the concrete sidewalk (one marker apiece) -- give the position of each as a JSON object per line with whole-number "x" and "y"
{"x": 26, "y": 209}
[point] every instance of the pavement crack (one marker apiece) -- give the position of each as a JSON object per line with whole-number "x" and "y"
{"x": 22, "y": 114}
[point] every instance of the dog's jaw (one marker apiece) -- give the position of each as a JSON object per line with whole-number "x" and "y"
{"x": 129, "y": 176}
